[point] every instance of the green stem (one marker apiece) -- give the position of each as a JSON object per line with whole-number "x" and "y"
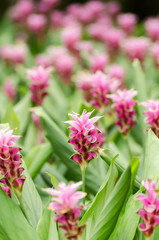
{"x": 83, "y": 172}
{"x": 19, "y": 197}
{"x": 148, "y": 237}
{"x": 128, "y": 146}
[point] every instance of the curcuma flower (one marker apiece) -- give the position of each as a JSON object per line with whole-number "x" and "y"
{"x": 39, "y": 77}
{"x": 124, "y": 108}
{"x": 85, "y": 136}
{"x": 150, "y": 212}
{"x": 152, "y": 115}
{"x": 10, "y": 162}
{"x": 65, "y": 204}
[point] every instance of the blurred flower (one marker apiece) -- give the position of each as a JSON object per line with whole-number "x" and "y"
{"x": 127, "y": 22}
{"x": 136, "y": 48}
{"x": 97, "y": 30}
{"x": 113, "y": 8}
{"x": 150, "y": 212}
{"x": 65, "y": 204}
{"x": 13, "y": 54}
{"x": 45, "y": 6}
{"x": 152, "y": 114}
{"x": 10, "y": 162}
{"x": 154, "y": 51}
{"x": 43, "y": 60}
{"x": 117, "y": 72}
{"x": 98, "y": 61}
{"x": 10, "y": 89}
{"x": 56, "y": 19}
{"x": 152, "y": 28}
{"x": 124, "y": 108}
{"x": 85, "y": 137}
{"x": 39, "y": 77}
{"x": 20, "y": 11}
{"x": 36, "y": 23}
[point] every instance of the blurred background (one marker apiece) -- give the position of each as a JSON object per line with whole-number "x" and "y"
{"x": 142, "y": 8}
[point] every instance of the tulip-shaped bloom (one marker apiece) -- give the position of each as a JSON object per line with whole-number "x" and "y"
{"x": 56, "y": 19}
{"x": 127, "y": 22}
{"x": 98, "y": 61}
{"x": 113, "y": 8}
{"x": 152, "y": 115}
{"x": 10, "y": 162}
{"x": 136, "y": 48}
{"x": 85, "y": 136}
{"x": 45, "y": 6}
{"x": 39, "y": 78}
{"x": 65, "y": 204}
{"x": 43, "y": 60}
{"x": 124, "y": 104}
{"x": 10, "y": 89}
{"x": 150, "y": 212}
{"x": 152, "y": 28}
{"x": 118, "y": 72}
{"x": 36, "y": 23}
{"x": 155, "y": 53}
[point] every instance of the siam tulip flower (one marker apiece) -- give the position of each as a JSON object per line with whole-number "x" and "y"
{"x": 10, "y": 162}
{"x": 21, "y": 11}
{"x": 113, "y": 8}
{"x": 13, "y": 54}
{"x": 36, "y": 23}
{"x": 84, "y": 46}
{"x": 124, "y": 108}
{"x": 118, "y": 72}
{"x": 85, "y": 136}
{"x": 152, "y": 28}
{"x": 150, "y": 212}
{"x": 55, "y": 53}
{"x": 154, "y": 51}
{"x": 127, "y": 22}
{"x": 71, "y": 35}
{"x": 65, "y": 203}
{"x": 113, "y": 38}
{"x": 152, "y": 115}
{"x": 43, "y": 60}
{"x": 98, "y": 61}
{"x": 39, "y": 77}
{"x": 10, "y": 89}
{"x": 136, "y": 48}
{"x": 97, "y": 31}
{"x": 96, "y": 88}
{"x": 56, "y": 19}
{"x": 45, "y": 6}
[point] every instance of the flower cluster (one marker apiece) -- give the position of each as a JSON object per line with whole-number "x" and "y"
{"x": 39, "y": 78}
{"x": 85, "y": 136}
{"x": 64, "y": 203}
{"x": 150, "y": 212}
{"x": 124, "y": 108}
{"x": 127, "y": 22}
{"x": 152, "y": 115}
{"x": 96, "y": 88}
{"x": 10, "y": 162}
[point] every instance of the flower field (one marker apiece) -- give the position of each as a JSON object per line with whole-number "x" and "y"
{"x": 79, "y": 123}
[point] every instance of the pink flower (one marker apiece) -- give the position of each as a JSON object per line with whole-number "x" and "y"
{"x": 113, "y": 38}
{"x": 43, "y": 60}
{"x": 124, "y": 108}
{"x": 56, "y": 19}
{"x": 96, "y": 88}
{"x": 118, "y": 72}
{"x": 39, "y": 77}
{"x": 127, "y": 22}
{"x": 85, "y": 137}
{"x": 136, "y": 48}
{"x": 113, "y": 8}
{"x": 64, "y": 203}
{"x": 36, "y": 23}
{"x": 152, "y": 28}
{"x": 152, "y": 115}
{"x": 13, "y": 54}
{"x": 150, "y": 212}
{"x": 71, "y": 35}
{"x": 155, "y": 53}
{"x": 10, "y": 162}
{"x": 45, "y": 6}
{"x": 21, "y": 10}
{"x": 10, "y": 89}
{"x": 97, "y": 30}
{"x": 98, "y": 61}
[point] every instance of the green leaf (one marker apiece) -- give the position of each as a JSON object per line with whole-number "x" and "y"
{"x": 102, "y": 195}
{"x": 47, "y": 227}
{"x": 108, "y": 218}
{"x": 54, "y": 181}
{"x": 12, "y": 119}
{"x": 13, "y": 224}
{"x": 128, "y": 221}
{"x": 150, "y": 165}
{"x": 37, "y": 157}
